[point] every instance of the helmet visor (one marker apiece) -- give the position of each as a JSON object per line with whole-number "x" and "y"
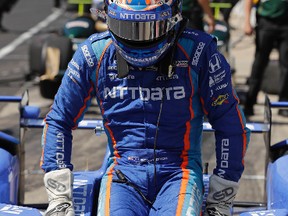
{"x": 139, "y": 31}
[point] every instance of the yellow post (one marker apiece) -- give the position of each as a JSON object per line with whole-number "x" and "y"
{"x": 218, "y": 6}
{"x": 81, "y": 4}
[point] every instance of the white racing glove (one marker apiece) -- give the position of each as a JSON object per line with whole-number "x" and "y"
{"x": 58, "y": 185}
{"x": 220, "y": 197}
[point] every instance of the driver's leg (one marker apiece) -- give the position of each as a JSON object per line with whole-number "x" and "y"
{"x": 182, "y": 194}
{"x": 116, "y": 198}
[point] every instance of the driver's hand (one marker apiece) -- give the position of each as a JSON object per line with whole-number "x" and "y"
{"x": 220, "y": 197}
{"x": 58, "y": 185}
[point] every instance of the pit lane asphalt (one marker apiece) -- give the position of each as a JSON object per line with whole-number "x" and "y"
{"x": 14, "y": 67}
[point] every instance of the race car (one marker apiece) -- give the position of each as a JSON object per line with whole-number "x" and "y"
{"x": 276, "y": 170}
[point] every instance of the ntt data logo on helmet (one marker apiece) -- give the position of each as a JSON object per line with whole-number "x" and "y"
{"x": 137, "y": 16}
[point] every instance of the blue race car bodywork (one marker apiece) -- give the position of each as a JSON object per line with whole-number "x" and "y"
{"x": 276, "y": 170}
{"x": 9, "y": 169}
{"x": 9, "y": 163}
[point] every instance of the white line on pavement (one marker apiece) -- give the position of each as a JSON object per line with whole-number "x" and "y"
{"x": 26, "y": 35}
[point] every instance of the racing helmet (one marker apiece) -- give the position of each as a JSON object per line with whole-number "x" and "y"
{"x": 143, "y": 30}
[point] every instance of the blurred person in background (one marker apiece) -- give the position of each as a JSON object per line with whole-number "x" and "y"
{"x": 198, "y": 11}
{"x": 271, "y": 30}
{"x": 5, "y": 7}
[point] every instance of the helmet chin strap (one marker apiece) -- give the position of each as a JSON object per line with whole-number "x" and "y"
{"x": 122, "y": 66}
{"x": 165, "y": 66}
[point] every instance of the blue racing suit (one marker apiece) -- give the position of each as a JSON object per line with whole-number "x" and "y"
{"x": 153, "y": 124}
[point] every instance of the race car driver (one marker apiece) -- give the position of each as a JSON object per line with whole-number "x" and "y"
{"x": 154, "y": 80}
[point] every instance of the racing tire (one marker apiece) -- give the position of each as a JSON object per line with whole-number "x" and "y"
{"x": 49, "y": 87}
{"x": 8, "y": 146}
{"x": 64, "y": 44}
{"x": 37, "y": 55}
